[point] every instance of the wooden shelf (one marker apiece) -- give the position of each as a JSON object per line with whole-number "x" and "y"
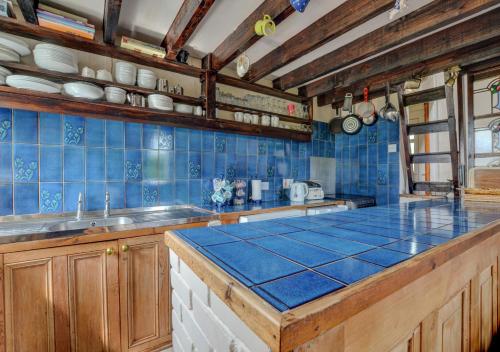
{"x": 234, "y": 108}
{"x": 29, "y": 30}
{"x": 65, "y": 77}
{"x": 56, "y": 103}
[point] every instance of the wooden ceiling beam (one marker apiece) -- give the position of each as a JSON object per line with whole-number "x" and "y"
{"x": 185, "y": 23}
{"x": 422, "y": 21}
{"x": 476, "y": 53}
{"x": 472, "y": 31}
{"x": 110, "y": 21}
{"x": 244, "y": 35}
{"x": 340, "y": 20}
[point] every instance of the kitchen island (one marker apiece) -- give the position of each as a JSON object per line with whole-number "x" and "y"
{"x": 416, "y": 276}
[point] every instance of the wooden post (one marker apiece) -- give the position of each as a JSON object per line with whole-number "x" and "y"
{"x": 452, "y": 130}
{"x": 405, "y": 140}
{"x": 470, "y": 125}
{"x": 209, "y": 82}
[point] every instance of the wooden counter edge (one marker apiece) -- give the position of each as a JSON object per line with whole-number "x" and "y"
{"x": 259, "y": 315}
{"x": 310, "y": 320}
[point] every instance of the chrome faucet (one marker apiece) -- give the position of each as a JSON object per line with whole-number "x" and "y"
{"x": 106, "y": 206}
{"x": 79, "y": 207}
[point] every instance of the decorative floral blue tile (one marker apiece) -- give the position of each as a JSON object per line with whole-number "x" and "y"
{"x": 166, "y": 165}
{"x": 150, "y": 194}
{"x": 150, "y": 136}
{"x": 300, "y": 288}
{"x": 115, "y": 164}
{"x": 25, "y": 163}
{"x": 74, "y": 165}
{"x": 51, "y": 199}
{"x": 5, "y": 125}
{"x": 95, "y": 132}
{"x": 166, "y": 138}
{"x": 50, "y": 128}
{"x": 115, "y": 136}
{"x": 6, "y": 199}
{"x": 25, "y": 126}
{"x": 133, "y": 195}
{"x": 328, "y": 242}
{"x": 349, "y": 270}
{"x": 133, "y": 135}
{"x": 95, "y": 196}
{"x": 408, "y": 247}
{"x": 5, "y": 163}
{"x": 95, "y": 164}
{"x": 133, "y": 165}
{"x": 194, "y": 165}
{"x": 26, "y": 198}
{"x": 71, "y": 191}
{"x": 383, "y": 257}
{"x": 255, "y": 263}
{"x": 299, "y": 252}
{"x": 74, "y": 130}
{"x": 220, "y": 144}
{"x": 117, "y": 194}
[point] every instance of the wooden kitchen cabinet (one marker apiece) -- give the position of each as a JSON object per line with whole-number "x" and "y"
{"x": 144, "y": 293}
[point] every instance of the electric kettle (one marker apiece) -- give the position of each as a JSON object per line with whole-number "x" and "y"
{"x": 298, "y": 191}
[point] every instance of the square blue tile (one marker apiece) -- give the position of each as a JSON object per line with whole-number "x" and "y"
{"x": 349, "y": 270}
{"x": 205, "y": 236}
{"x": 195, "y": 137}
{"x": 115, "y": 135}
{"x": 181, "y": 139}
{"x": 166, "y": 138}
{"x": 208, "y": 165}
{"x": 244, "y": 231}
{"x": 5, "y": 162}
{"x": 150, "y": 194}
{"x": 408, "y": 247}
{"x": 273, "y": 227}
{"x": 51, "y": 130}
{"x": 133, "y": 165}
{"x": 115, "y": 164}
{"x": 208, "y": 141}
{"x": 181, "y": 192}
{"x": 241, "y": 145}
{"x": 300, "y": 288}
{"x": 255, "y": 263}
{"x": 150, "y": 164}
{"x": 51, "y": 163}
{"x": 26, "y": 198}
{"x": 25, "y": 126}
{"x": 427, "y": 239}
{"x": 133, "y": 135}
{"x": 51, "y": 198}
{"x": 220, "y": 143}
{"x": 95, "y": 132}
{"x": 6, "y": 199}
{"x": 117, "y": 194}
{"x": 71, "y": 191}
{"x": 220, "y": 164}
{"x": 74, "y": 130}
{"x": 181, "y": 165}
{"x": 95, "y": 196}
{"x": 150, "y": 136}
{"x": 133, "y": 195}
{"x": 167, "y": 193}
{"x": 194, "y": 192}
{"x": 25, "y": 163}
{"x": 373, "y": 240}
{"x": 166, "y": 165}
{"x": 74, "y": 165}
{"x": 383, "y": 257}
{"x": 299, "y": 252}
{"x": 5, "y": 125}
{"x": 328, "y": 242}
{"x": 95, "y": 165}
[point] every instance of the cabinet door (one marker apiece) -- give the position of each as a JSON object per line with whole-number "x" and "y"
{"x": 144, "y": 293}
{"x": 63, "y": 299}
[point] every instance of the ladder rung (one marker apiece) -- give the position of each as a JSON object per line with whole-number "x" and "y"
{"x": 424, "y": 96}
{"x": 430, "y": 158}
{"x": 428, "y": 127}
{"x": 441, "y": 187}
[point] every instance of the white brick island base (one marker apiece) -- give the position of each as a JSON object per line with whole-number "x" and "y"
{"x": 201, "y": 321}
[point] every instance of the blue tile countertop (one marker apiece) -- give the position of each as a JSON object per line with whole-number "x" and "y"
{"x": 291, "y": 261}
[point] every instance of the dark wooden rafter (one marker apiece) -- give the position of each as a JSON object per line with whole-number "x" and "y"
{"x": 110, "y": 21}
{"x": 28, "y": 9}
{"x": 471, "y": 32}
{"x": 187, "y": 19}
{"x": 424, "y": 96}
{"x": 417, "y": 23}
{"x": 244, "y": 35}
{"x": 340, "y": 20}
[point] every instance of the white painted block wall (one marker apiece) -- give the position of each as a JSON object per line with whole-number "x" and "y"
{"x": 201, "y": 321}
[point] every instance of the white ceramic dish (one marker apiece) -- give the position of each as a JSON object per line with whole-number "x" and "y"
{"x": 146, "y": 82}
{"x": 184, "y": 108}
{"x": 9, "y": 55}
{"x": 4, "y": 72}
{"x": 83, "y": 90}
{"x": 115, "y": 95}
{"x": 33, "y": 83}
{"x": 161, "y": 102}
{"x": 125, "y": 73}
{"x": 14, "y": 43}
{"x": 55, "y": 58}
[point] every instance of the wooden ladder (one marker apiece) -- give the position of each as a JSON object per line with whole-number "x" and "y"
{"x": 448, "y": 124}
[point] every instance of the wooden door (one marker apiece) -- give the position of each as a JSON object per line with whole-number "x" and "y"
{"x": 63, "y": 299}
{"x": 144, "y": 293}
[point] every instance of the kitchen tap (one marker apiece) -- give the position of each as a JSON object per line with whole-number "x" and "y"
{"x": 79, "y": 207}
{"x": 106, "y": 206}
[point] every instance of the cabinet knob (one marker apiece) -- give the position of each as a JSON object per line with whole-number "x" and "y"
{"x": 109, "y": 251}
{"x": 125, "y": 247}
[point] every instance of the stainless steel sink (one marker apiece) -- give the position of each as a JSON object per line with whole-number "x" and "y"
{"x": 89, "y": 223}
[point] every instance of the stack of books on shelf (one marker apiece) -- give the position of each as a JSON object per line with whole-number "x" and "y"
{"x": 142, "y": 47}
{"x": 63, "y": 21}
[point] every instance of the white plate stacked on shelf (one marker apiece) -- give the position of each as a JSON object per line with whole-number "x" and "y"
{"x": 83, "y": 90}
{"x": 9, "y": 55}
{"x": 146, "y": 78}
{"x": 14, "y": 43}
{"x": 115, "y": 95}
{"x": 55, "y": 58}
{"x": 160, "y": 102}
{"x": 125, "y": 73}
{"x": 184, "y": 108}
{"x": 33, "y": 83}
{"x": 4, "y": 73}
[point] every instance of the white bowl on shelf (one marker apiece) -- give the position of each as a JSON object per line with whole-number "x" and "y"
{"x": 146, "y": 78}
{"x": 33, "y": 83}
{"x": 14, "y": 43}
{"x": 183, "y": 108}
{"x": 125, "y": 73}
{"x": 115, "y": 95}
{"x": 160, "y": 102}
{"x": 83, "y": 90}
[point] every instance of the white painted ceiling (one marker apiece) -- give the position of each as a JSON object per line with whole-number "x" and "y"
{"x": 149, "y": 20}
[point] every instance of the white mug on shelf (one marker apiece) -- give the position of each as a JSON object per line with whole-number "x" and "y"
{"x": 255, "y": 119}
{"x": 238, "y": 116}
{"x": 88, "y": 72}
{"x": 104, "y": 75}
{"x": 275, "y": 121}
{"x": 265, "y": 120}
{"x": 247, "y": 118}
{"x": 198, "y": 110}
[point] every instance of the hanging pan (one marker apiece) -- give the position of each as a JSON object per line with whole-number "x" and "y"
{"x": 335, "y": 124}
{"x": 351, "y": 124}
{"x": 366, "y": 110}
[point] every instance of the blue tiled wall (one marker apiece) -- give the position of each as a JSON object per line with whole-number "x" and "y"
{"x": 363, "y": 164}
{"x": 47, "y": 159}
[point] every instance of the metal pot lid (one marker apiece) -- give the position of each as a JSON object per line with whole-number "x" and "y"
{"x": 369, "y": 121}
{"x": 351, "y": 124}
